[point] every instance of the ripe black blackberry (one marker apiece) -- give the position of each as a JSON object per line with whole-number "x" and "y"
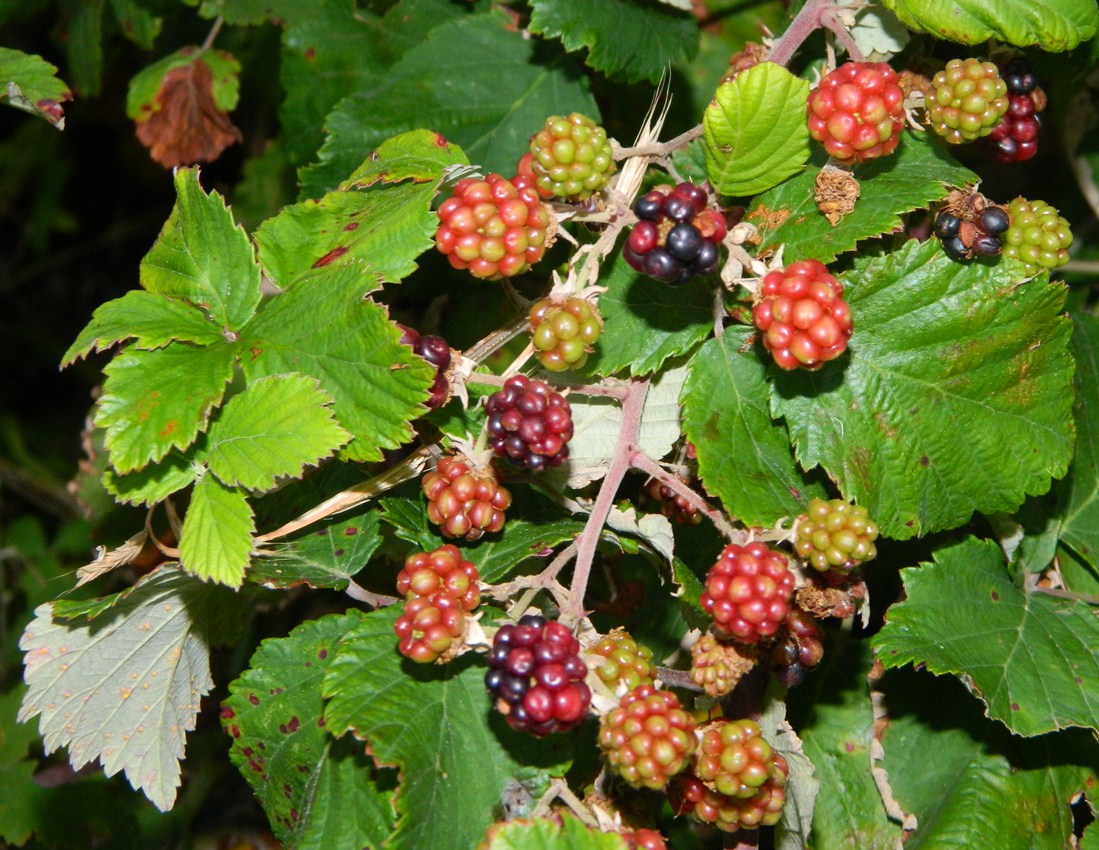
{"x": 677, "y": 236}
{"x": 970, "y": 225}
{"x": 536, "y": 676}
{"x": 529, "y": 423}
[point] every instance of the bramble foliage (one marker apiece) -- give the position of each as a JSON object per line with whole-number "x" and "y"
{"x": 289, "y": 445}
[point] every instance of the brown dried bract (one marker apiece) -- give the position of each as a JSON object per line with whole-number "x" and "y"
{"x": 835, "y": 193}
{"x": 716, "y": 667}
{"x": 825, "y": 601}
{"x": 187, "y": 127}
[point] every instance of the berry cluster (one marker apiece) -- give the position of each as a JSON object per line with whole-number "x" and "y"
{"x": 803, "y": 316}
{"x": 644, "y": 839}
{"x": 434, "y": 350}
{"x": 733, "y": 758}
{"x": 800, "y": 647}
{"x": 439, "y": 587}
{"x": 857, "y": 111}
{"x": 537, "y": 676}
{"x": 835, "y": 535}
{"x": 716, "y": 667}
{"x": 962, "y": 238}
{"x": 674, "y": 506}
{"x": 1015, "y": 138}
{"x": 570, "y": 157}
{"x": 529, "y": 423}
{"x": 677, "y": 236}
{"x": 967, "y": 100}
{"x": 648, "y": 738}
{"x": 493, "y": 227}
{"x": 691, "y": 796}
{"x": 463, "y": 501}
{"x": 622, "y": 662}
{"x": 1039, "y": 237}
{"x": 748, "y": 592}
{"x": 564, "y": 331}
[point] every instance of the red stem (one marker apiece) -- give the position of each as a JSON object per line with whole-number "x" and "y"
{"x": 804, "y": 24}
{"x": 640, "y": 460}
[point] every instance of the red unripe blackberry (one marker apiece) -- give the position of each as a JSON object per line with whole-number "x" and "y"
{"x": 732, "y": 757}
{"x": 673, "y": 505}
{"x": 492, "y": 227}
{"x": 429, "y": 626}
{"x": 800, "y": 647}
{"x": 716, "y": 667}
{"x": 967, "y": 100}
{"x": 464, "y": 501}
{"x": 563, "y": 331}
{"x": 571, "y": 157}
{"x": 621, "y": 662}
{"x": 802, "y": 314}
{"x": 529, "y": 423}
{"x": 1039, "y": 236}
{"x": 1015, "y": 138}
{"x": 644, "y": 839}
{"x": 648, "y": 738}
{"x": 857, "y": 111}
{"x": 689, "y": 795}
{"x": 835, "y": 535}
{"x": 677, "y": 236}
{"x": 748, "y": 592}
{"x": 536, "y": 676}
{"x": 442, "y": 570}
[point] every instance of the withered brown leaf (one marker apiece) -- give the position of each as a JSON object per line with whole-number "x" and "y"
{"x": 188, "y": 127}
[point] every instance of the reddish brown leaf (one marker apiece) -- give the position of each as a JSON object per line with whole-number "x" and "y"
{"x": 187, "y": 127}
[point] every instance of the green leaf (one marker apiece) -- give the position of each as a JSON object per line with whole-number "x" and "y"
{"x": 918, "y": 173}
{"x": 628, "y": 40}
{"x": 381, "y": 230}
{"x": 1032, "y": 658}
{"x": 31, "y": 83}
{"x": 216, "y": 540}
{"x": 322, "y": 327}
{"x": 940, "y": 349}
{"x": 1078, "y": 491}
{"x": 408, "y": 517}
{"x": 83, "y": 43}
{"x": 566, "y": 833}
{"x": 833, "y": 715}
{"x": 744, "y": 458}
{"x": 155, "y": 401}
{"x": 319, "y": 793}
{"x": 645, "y": 322}
{"x": 201, "y": 256}
{"x": 151, "y": 320}
{"x": 136, "y": 22}
{"x": 276, "y": 427}
{"x": 971, "y": 784}
{"x": 152, "y": 483}
{"x": 320, "y": 556}
{"x": 755, "y": 130}
{"x": 498, "y": 557}
{"x": 508, "y": 90}
{"x": 125, "y": 691}
{"x": 456, "y": 756}
{"x": 1054, "y": 25}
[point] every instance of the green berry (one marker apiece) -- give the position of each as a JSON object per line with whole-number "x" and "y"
{"x": 836, "y": 535}
{"x": 571, "y": 157}
{"x": 1039, "y": 237}
{"x": 563, "y": 331}
{"x": 622, "y": 661}
{"x": 967, "y": 100}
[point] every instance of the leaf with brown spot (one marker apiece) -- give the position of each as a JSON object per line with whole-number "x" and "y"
{"x": 186, "y": 126}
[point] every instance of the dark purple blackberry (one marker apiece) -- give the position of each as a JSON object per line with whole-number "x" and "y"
{"x": 1019, "y": 76}
{"x": 955, "y": 248}
{"x": 678, "y": 235}
{"x": 434, "y": 350}
{"x": 800, "y": 647}
{"x": 1015, "y": 138}
{"x": 536, "y": 676}
{"x": 529, "y": 423}
{"x": 947, "y": 225}
{"x": 987, "y": 245}
{"x": 993, "y": 221}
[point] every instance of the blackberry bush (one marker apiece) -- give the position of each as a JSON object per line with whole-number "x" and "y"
{"x": 857, "y": 111}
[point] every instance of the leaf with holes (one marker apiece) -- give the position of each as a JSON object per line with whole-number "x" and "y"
{"x": 125, "y": 689}
{"x": 455, "y": 754}
{"x": 940, "y": 349}
{"x": 1032, "y": 658}
{"x": 319, "y": 792}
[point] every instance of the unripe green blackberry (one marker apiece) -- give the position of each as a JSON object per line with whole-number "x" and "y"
{"x": 836, "y": 535}
{"x": 563, "y": 331}
{"x": 967, "y": 100}
{"x": 648, "y": 738}
{"x": 1038, "y": 235}
{"x": 733, "y": 758}
{"x": 571, "y": 157}
{"x": 623, "y": 662}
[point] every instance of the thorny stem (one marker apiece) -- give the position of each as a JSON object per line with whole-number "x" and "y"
{"x": 640, "y": 460}
{"x": 661, "y": 148}
{"x": 808, "y": 20}
{"x": 573, "y": 610}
